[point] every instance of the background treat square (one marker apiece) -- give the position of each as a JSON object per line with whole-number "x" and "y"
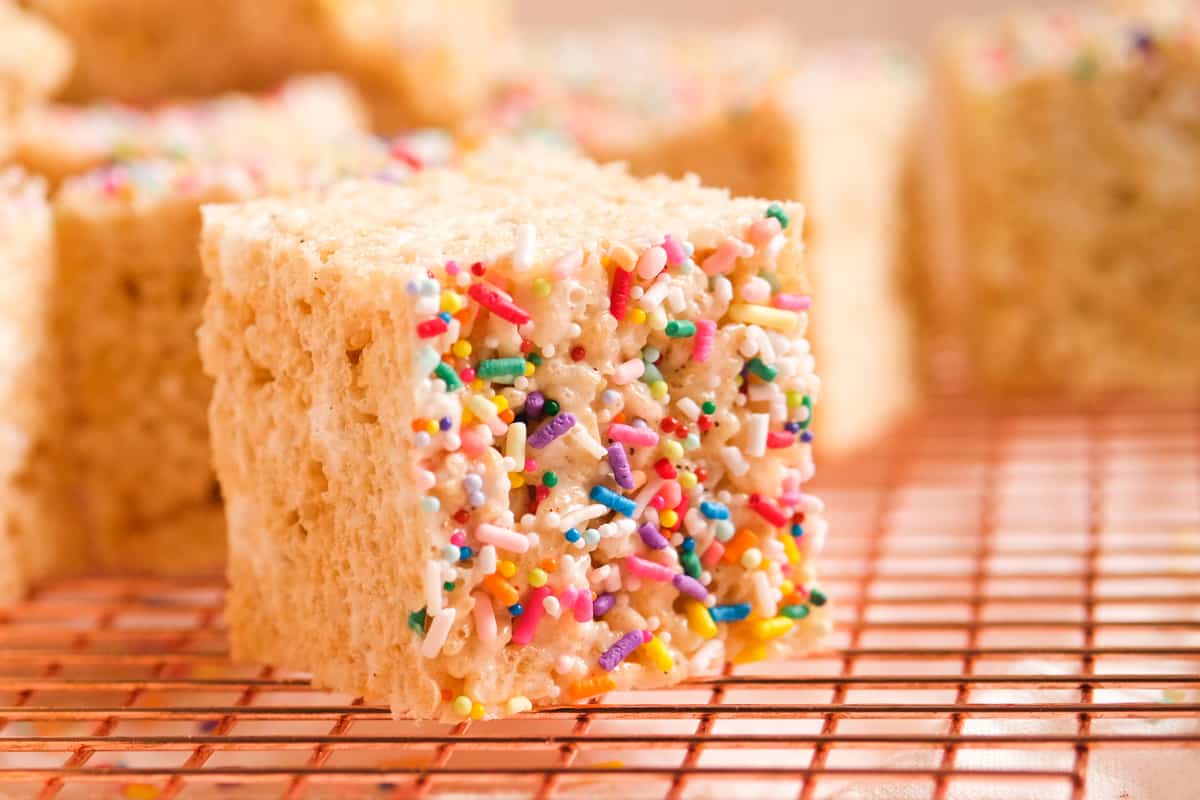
{"x": 835, "y": 128}
{"x": 1071, "y": 170}
{"x": 34, "y": 60}
{"x": 428, "y": 62}
{"x": 369, "y": 342}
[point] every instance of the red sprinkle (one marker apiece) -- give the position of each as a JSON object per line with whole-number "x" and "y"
{"x": 768, "y": 511}
{"x": 578, "y": 353}
{"x": 478, "y": 268}
{"x": 665, "y": 469}
{"x": 467, "y": 374}
{"x": 526, "y": 347}
{"x": 704, "y": 423}
{"x": 462, "y": 516}
{"x": 432, "y": 327}
{"x": 619, "y": 300}
{"x": 682, "y": 432}
{"x": 777, "y": 440}
{"x": 668, "y": 424}
{"x": 701, "y": 474}
{"x": 495, "y": 301}
{"x": 401, "y": 153}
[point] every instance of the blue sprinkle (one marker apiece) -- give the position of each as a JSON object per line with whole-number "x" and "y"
{"x": 445, "y": 317}
{"x": 689, "y": 544}
{"x": 516, "y": 609}
{"x": 445, "y": 423}
{"x": 465, "y": 552}
{"x": 806, "y": 436}
{"x": 735, "y": 613}
{"x": 797, "y": 531}
{"x": 792, "y": 427}
{"x": 607, "y": 497}
{"x": 573, "y": 535}
{"x": 713, "y": 510}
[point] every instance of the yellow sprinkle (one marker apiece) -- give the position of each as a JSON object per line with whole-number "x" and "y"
{"x": 140, "y": 791}
{"x": 752, "y": 558}
{"x": 615, "y": 764}
{"x": 529, "y": 369}
{"x": 461, "y": 348}
{"x": 477, "y": 385}
{"x": 659, "y": 390}
{"x": 452, "y": 302}
{"x": 431, "y": 427}
{"x": 767, "y": 317}
{"x": 770, "y": 628}
{"x": 700, "y": 620}
{"x": 637, "y": 316}
{"x": 672, "y": 449}
{"x": 659, "y": 654}
{"x": 500, "y": 402}
{"x": 687, "y": 480}
{"x": 623, "y": 257}
{"x": 477, "y": 711}
{"x": 519, "y": 704}
{"x": 537, "y": 577}
{"x": 668, "y": 518}
{"x": 506, "y": 568}
{"x": 516, "y": 479}
{"x": 786, "y": 587}
{"x": 541, "y": 287}
{"x": 751, "y": 654}
{"x": 467, "y": 417}
{"x": 462, "y": 705}
{"x": 794, "y": 398}
{"x": 789, "y": 548}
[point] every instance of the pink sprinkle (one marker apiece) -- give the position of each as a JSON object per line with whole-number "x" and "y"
{"x": 451, "y": 267}
{"x": 648, "y": 570}
{"x": 501, "y": 538}
{"x": 622, "y": 283}
{"x": 723, "y": 258}
{"x": 706, "y": 332}
{"x": 764, "y": 231}
{"x": 493, "y": 300}
{"x": 671, "y": 493}
{"x": 634, "y": 437}
{"x": 458, "y": 538}
{"x": 567, "y": 597}
{"x": 629, "y": 371}
{"x": 567, "y": 265}
{"x": 485, "y": 618}
{"x": 676, "y": 255}
{"x": 712, "y": 556}
{"x": 777, "y": 440}
{"x": 583, "y": 607}
{"x": 768, "y": 511}
{"x": 527, "y": 623}
{"x": 432, "y": 327}
{"x": 652, "y": 262}
{"x": 792, "y": 302}
{"x": 530, "y": 465}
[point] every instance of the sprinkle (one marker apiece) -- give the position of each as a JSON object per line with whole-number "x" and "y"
{"x": 514, "y": 442}
{"x": 485, "y": 618}
{"x": 699, "y": 620}
{"x": 523, "y": 628}
{"x": 752, "y": 654}
{"x": 668, "y": 518}
{"x": 495, "y": 301}
{"x": 591, "y": 686}
{"x": 790, "y": 550}
{"x": 586, "y": 610}
{"x": 752, "y": 558}
{"x": 775, "y": 210}
{"x": 523, "y": 253}
{"x": 671, "y": 449}
{"x": 619, "y": 461}
{"x": 768, "y": 511}
{"x": 478, "y": 712}
{"x": 572, "y": 535}
{"x": 622, "y": 284}
{"x": 659, "y": 654}
{"x": 432, "y": 327}
{"x": 732, "y": 613}
{"x": 634, "y": 437}
{"x": 432, "y": 581}
{"x": 797, "y": 611}
{"x": 516, "y": 609}
{"x": 550, "y": 480}
{"x": 778, "y": 440}
{"x": 623, "y": 257}
{"x": 792, "y": 302}
{"x": 648, "y": 570}
{"x": 757, "y": 427}
{"x": 691, "y": 564}
{"x": 438, "y": 632}
{"x": 501, "y": 589}
{"x": 588, "y": 442}
{"x": 448, "y": 375}
{"x": 652, "y": 262}
{"x": 628, "y": 372}
{"x": 739, "y": 544}
{"x": 713, "y": 510}
{"x": 620, "y": 650}
{"x": 618, "y": 503}
{"x": 734, "y": 460}
{"x": 502, "y": 538}
{"x": 534, "y": 402}
{"x": 724, "y": 257}
{"x": 807, "y": 403}
{"x": 706, "y": 331}
{"x": 652, "y": 538}
{"x": 416, "y": 621}
{"x": 817, "y": 597}
{"x": 553, "y": 429}
{"x": 764, "y": 371}
{"x": 765, "y": 316}
{"x": 680, "y": 329}
{"x": 518, "y": 704}
{"x": 462, "y": 705}
{"x": 713, "y": 554}
{"x": 764, "y": 595}
{"x": 567, "y": 265}
{"x": 674, "y": 251}
{"x": 499, "y": 367}
{"x": 689, "y": 586}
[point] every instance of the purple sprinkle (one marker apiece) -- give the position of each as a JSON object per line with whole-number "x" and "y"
{"x": 653, "y": 539}
{"x": 620, "y": 465}
{"x": 534, "y": 403}
{"x": 551, "y": 430}
{"x": 603, "y": 604}
{"x": 690, "y": 586}
{"x": 621, "y": 650}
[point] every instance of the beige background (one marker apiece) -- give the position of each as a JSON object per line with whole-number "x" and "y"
{"x": 818, "y": 19}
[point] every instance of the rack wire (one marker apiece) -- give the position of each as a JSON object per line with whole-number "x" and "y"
{"x": 1019, "y": 616}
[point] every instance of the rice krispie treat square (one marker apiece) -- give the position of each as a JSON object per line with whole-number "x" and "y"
{"x": 59, "y": 140}
{"x": 835, "y": 129}
{"x": 34, "y": 60}
{"x": 1071, "y": 169}
{"x": 515, "y": 435}
{"x": 421, "y": 62}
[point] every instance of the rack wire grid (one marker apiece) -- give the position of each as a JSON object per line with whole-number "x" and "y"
{"x": 1018, "y": 614}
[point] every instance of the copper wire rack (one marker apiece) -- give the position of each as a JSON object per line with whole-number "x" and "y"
{"x": 1019, "y": 616}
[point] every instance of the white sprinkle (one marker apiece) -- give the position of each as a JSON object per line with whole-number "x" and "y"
{"x": 514, "y": 445}
{"x": 655, "y": 295}
{"x": 657, "y": 319}
{"x": 774, "y": 246}
{"x": 433, "y": 586}
{"x": 501, "y": 537}
{"x": 695, "y": 522}
{"x": 764, "y": 597}
{"x": 481, "y": 407}
{"x": 708, "y": 658}
{"x": 689, "y": 408}
{"x": 735, "y": 461}
{"x": 551, "y": 606}
{"x": 629, "y": 371}
{"x": 588, "y": 442}
{"x": 647, "y": 494}
{"x": 573, "y": 519}
{"x": 756, "y": 434}
{"x": 722, "y": 290}
{"x": 523, "y": 254}
{"x": 485, "y": 617}
{"x": 676, "y": 302}
{"x": 487, "y": 560}
{"x": 438, "y": 631}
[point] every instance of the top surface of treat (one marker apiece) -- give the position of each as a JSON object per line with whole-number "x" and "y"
{"x": 20, "y": 195}
{"x": 1083, "y": 41}
{"x": 34, "y": 58}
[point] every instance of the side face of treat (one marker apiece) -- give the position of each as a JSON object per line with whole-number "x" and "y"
{"x": 34, "y": 60}
{"x": 1073, "y": 143}
{"x": 515, "y": 437}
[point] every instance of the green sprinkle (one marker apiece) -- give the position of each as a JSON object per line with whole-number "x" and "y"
{"x": 550, "y": 479}
{"x": 817, "y": 597}
{"x": 775, "y": 210}
{"x": 652, "y": 374}
{"x": 535, "y": 359}
{"x": 1085, "y": 67}
{"x": 681, "y": 328}
{"x": 448, "y": 586}
{"x": 416, "y": 621}
{"x": 807, "y": 403}
{"x": 764, "y": 371}
{"x": 709, "y": 407}
{"x": 551, "y": 408}
{"x": 795, "y": 612}
{"x": 691, "y": 564}
{"x": 495, "y": 367}
{"x": 447, "y": 374}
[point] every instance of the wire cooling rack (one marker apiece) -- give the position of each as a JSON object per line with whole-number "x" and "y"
{"x": 1019, "y": 612}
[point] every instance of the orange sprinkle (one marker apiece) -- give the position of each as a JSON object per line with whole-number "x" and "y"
{"x": 592, "y": 686}
{"x": 508, "y": 416}
{"x": 549, "y": 564}
{"x": 738, "y": 545}
{"x": 418, "y": 424}
{"x": 501, "y": 589}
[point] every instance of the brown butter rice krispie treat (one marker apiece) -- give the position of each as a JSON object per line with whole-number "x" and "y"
{"x": 1071, "y": 167}
{"x": 420, "y": 62}
{"x": 34, "y": 60}
{"x": 835, "y": 129}
{"x": 513, "y": 436}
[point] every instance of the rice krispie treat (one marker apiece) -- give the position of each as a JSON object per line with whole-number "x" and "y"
{"x": 513, "y": 436}
{"x": 834, "y": 129}
{"x": 31, "y": 541}
{"x": 421, "y": 62}
{"x": 1072, "y": 166}
{"x": 131, "y": 289}
{"x": 34, "y": 60}
{"x": 58, "y": 141}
